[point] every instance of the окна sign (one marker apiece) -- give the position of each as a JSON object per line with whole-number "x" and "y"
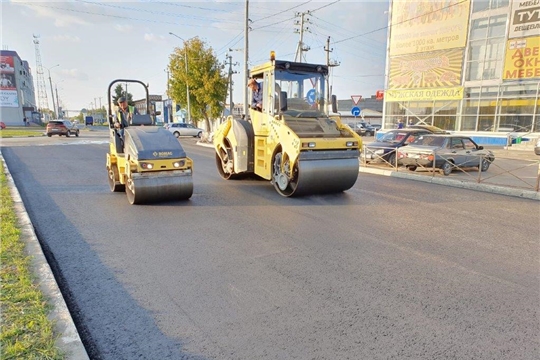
{"x": 522, "y": 60}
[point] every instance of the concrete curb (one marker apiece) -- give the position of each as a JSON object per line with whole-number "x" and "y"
{"x": 501, "y": 190}
{"x": 68, "y": 340}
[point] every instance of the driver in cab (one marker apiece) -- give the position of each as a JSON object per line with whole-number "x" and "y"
{"x": 256, "y": 91}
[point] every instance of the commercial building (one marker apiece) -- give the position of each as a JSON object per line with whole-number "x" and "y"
{"x": 471, "y": 66}
{"x": 17, "y": 97}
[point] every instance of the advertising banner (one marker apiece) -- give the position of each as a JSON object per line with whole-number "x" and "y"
{"x": 7, "y": 73}
{"x": 421, "y": 26}
{"x": 450, "y": 93}
{"x": 525, "y": 18}
{"x": 522, "y": 59}
{"x": 9, "y": 98}
{"x": 426, "y": 70}
{"x": 7, "y": 65}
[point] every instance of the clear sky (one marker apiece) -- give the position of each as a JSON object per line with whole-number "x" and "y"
{"x": 95, "y": 42}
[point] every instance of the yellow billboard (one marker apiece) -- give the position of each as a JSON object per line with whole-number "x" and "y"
{"x": 420, "y": 26}
{"x": 426, "y": 70}
{"x": 450, "y": 93}
{"x": 522, "y": 59}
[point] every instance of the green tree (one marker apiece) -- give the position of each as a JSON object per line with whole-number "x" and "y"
{"x": 118, "y": 92}
{"x": 207, "y": 83}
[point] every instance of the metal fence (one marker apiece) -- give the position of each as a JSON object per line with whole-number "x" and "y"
{"x": 502, "y": 170}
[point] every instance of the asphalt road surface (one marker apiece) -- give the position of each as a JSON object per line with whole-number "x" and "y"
{"x": 391, "y": 269}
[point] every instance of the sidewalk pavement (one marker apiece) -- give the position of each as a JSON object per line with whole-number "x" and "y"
{"x": 68, "y": 339}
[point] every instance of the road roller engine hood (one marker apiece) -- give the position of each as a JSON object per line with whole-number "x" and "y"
{"x": 152, "y": 143}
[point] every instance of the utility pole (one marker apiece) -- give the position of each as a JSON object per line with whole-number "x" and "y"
{"x": 246, "y": 58}
{"x": 330, "y": 64}
{"x": 301, "y": 48}
{"x": 231, "y": 72}
{"x": 57, "y": 102}
{"x": 169, "y": 104}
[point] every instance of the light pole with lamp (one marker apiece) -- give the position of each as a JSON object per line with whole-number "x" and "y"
{"x": 60, "y": 116}
{"x": 187, "y": 81}
{"x": 52, "y": 91}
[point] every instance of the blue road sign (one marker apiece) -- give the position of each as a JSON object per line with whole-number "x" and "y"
{"x": 311, "y": 97}
{"x": 355, "y": 111}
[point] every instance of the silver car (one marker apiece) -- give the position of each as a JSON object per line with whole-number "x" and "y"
{"x": 444, "y": 152}
{"x": 183, "y": 129}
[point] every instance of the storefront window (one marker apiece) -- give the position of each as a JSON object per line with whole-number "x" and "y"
{"x": 497, "y": 26}
{"x": 445, "y": 107}
{"x": 479, "y": 29}
{"x": 520, "y": 123}
{"x": 473, "y": 92}
{"x": 394, "y": 108}
{"x": 482, "y": 5}
{"x": 470, "y": 107}
{"x": 445, "y": 122}
{"x": 490, "y": 91}
{"x": 517, "y": 106}
{"x": 519, "y": 89}
{"x": 477, "y": 51}
{"x": 474, "y": 71}
{"x": 468, "y": 123}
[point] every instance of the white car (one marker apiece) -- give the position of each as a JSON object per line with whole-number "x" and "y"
{"x": 183, "y": 129}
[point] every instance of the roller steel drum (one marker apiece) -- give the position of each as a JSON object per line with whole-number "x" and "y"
{"x": 159, "y": 186}
{"x": 322, "y": 173}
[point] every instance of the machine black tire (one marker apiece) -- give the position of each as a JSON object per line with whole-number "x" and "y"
{"x": 221, "y": 171}
{"x": 49, "y": 135}
{"x": 484, "y": 166}
{"x": 447, "y": 168}
{"x": 392, "y": 159}
{"x": 112, "y": 175}
{"x": 411, "y": 168}
{"x": 199, "y": 134}
{"x": 177, "y": 134}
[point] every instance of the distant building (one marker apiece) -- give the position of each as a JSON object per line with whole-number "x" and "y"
{"x": 140, "y": 105}
{"x": 469, "y": 66}
{"x": 17, "y": 96}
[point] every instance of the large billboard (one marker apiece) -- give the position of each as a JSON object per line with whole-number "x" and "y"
{"x": 8, "y": 88}
{"x": 525, "y": 19}
{"x": 426, "y": 70}
{"x": 420, "y": 26}
{"x": 522, "y": 59}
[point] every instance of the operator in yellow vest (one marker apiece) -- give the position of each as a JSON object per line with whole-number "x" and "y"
{"x": 124, "y": 114}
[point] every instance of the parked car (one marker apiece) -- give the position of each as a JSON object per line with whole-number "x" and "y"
{"x": 183, "y": 129}
{"x": 385, "y": 148}
{"x": 358, "y": 128}
{"x": 62, "y": 127}
{"x": 537, "y": 147}
{"x": 432, "y": 129}
{"x": 371, "y": 129}
{"x": 445, "y": 151}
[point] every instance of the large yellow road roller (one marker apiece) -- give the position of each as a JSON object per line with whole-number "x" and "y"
{"x": 291, "y": 140}
{"x": 144, "y": 160}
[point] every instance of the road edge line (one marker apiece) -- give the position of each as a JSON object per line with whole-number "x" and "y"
{"x": 68, "y": 340}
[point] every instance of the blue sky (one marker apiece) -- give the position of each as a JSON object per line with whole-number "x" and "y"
{"x": 95, "y": 42}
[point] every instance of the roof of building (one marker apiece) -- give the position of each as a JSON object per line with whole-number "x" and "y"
{"x": 9, "y": 53}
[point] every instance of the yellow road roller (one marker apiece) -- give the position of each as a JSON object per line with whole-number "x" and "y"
{"x": 289, "y": 137}
{"x": 144, "y": 160}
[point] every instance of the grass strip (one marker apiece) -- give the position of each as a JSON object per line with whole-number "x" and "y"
{"x": 26, "y": 332}
{"x": 20, "y": 132}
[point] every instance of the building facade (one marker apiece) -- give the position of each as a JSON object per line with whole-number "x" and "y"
{"x": 17, "y": 96}
{"x": 470, "y": 65}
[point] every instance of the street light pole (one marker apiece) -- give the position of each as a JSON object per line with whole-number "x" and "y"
{"x": 187, "y": 80}
{"x": 52, "y": 92}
